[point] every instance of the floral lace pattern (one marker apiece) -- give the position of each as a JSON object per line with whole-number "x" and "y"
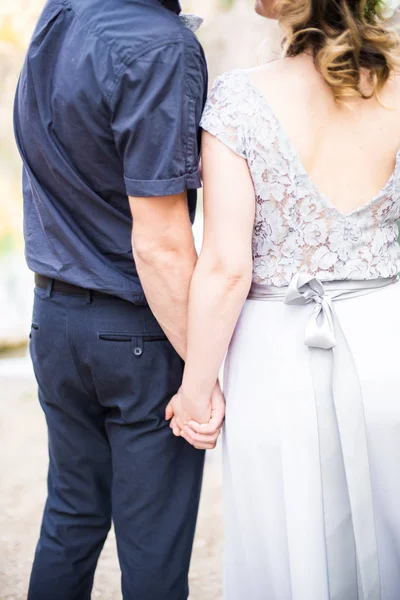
{"x": 296, "y": 228}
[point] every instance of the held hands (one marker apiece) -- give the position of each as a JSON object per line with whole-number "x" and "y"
{"x": 199, "y": 424}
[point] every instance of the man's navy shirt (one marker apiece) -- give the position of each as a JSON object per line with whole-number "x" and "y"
{"x": 108, "y": 105}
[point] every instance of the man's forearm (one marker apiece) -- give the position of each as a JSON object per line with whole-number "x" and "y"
{"x": 165, "y": 257}
{"x": 166, "y": 277}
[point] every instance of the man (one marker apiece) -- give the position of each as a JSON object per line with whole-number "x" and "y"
{"x": 107, "y": 107}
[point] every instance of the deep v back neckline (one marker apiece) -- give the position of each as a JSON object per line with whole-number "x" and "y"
{"x": 295, "y": 156}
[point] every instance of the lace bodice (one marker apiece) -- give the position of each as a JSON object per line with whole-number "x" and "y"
{"x": 296, "y": 228}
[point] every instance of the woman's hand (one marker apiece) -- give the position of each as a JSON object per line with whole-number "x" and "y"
{"x": 199, "y": 424}
{"x": 205, "y": 436}
{"x": 182, "y": 409}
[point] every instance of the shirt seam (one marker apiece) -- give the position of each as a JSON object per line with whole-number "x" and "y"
{"x": 125, "y": 64}
{"x": 108, "y": 43}
{"x": 145, "y": 51}
{"x": 186, "y": 133}
{"x": 156, "y": 188}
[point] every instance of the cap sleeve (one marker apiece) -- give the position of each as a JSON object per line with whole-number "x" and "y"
{"x": 223, "y": 113}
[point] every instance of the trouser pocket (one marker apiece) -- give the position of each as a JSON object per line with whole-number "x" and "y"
{"x": 34, "y": 327}
{"x": 137, "y": 342}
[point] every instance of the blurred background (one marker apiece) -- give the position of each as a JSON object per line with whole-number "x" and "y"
{"x": 233, "y": 36}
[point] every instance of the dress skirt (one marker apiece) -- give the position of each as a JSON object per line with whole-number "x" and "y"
{"x": 275, "y": 528}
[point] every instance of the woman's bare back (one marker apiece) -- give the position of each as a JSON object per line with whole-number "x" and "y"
{"x": 349, "y": 151}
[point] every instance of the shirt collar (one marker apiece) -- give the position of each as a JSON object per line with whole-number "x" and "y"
{"x": 193, "y": 22}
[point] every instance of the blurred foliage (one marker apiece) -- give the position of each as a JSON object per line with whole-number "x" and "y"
{"x": 227, "y": 3}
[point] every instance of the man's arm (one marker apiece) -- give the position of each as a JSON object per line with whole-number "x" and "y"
{"x": 156, "y": 109}
{"x": 165, "y": 257}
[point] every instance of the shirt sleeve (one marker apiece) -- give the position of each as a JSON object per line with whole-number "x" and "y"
{"x": 222, "y": 115}
{"x": 157, "y": 109}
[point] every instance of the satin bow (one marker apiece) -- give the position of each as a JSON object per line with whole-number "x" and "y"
{"x": 320, "y": 332}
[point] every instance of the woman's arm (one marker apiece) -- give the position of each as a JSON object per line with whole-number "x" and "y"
{"x": 222, "y": 277}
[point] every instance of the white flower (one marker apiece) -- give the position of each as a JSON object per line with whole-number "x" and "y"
{"x": 388, "y": 8}
{"x": 353, "y": 269}
{"x": 315, "y": 232}
{"x": 322, "y": 259}
{"x": 310, "y": 209}
{"x": 277, "y": 231}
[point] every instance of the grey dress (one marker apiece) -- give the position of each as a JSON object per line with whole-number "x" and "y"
{"x": 312, "y": 435}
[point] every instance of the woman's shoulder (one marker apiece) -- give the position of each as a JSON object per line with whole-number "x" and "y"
{"x": 283, "y": 77}
{"x": 240, "y": 86}
{"x": 237, "y": 96}
{"x": 233, "y": 79}
{"x": 229, "y": 110}
{"x": 229, "y": 92}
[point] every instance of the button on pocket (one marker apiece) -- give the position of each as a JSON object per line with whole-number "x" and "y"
{"x": 137, "y": 346}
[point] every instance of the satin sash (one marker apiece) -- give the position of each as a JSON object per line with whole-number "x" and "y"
{"x": 350, "y": 534}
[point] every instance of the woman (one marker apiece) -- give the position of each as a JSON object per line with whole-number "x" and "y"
{"x": 300, "y": 260}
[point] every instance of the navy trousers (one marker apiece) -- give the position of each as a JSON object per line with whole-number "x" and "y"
{"x": 106, "y": 373}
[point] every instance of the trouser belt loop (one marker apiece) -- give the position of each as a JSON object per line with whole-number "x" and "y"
{"x": 49, "y": 289}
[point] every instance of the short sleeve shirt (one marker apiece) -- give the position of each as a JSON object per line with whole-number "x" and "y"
{"x": 108, "y": 106}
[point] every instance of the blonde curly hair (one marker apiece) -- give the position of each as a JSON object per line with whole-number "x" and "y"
{"x": 348, "y": 38}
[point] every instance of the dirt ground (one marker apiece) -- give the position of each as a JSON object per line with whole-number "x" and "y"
{"x": 23, "y": 465}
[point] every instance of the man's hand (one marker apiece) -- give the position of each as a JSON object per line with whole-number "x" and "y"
{"x": 199, "y": 426}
